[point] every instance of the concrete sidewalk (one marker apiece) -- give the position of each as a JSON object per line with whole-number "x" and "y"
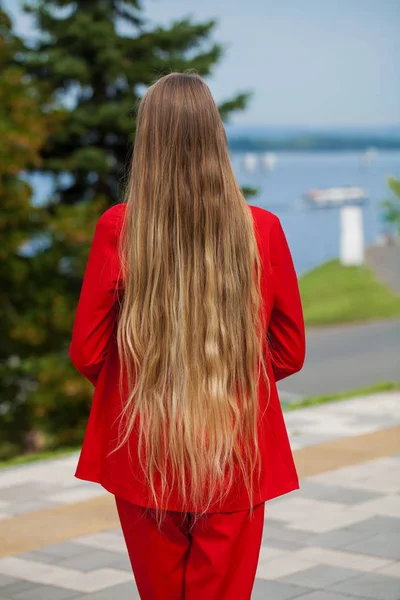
{"x": 337, "y": 538}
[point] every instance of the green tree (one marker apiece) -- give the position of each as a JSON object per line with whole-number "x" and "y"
{"x": 24, "y": 128}
{"x": 95, "y": 57}
{"x": 391, "y": 206}
{"x": 86, "y": 57}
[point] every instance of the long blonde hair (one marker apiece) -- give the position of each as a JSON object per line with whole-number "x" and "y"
{"x": 191, "y": 329}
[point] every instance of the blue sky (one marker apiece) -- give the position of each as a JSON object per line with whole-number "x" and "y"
{"x": 307, "y": 62}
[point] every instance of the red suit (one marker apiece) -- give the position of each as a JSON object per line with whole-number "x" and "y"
{"x": 93, "y": 351}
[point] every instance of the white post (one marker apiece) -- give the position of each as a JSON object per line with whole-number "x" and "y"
{"x": 351, "y": 236}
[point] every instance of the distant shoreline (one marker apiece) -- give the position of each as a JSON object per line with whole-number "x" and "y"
{"x": 238, "y": 145}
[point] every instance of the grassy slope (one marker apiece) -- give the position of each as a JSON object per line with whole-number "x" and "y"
{"x": 383, "y": 386}
{"x": 23, "y": 459}
{"x": 335, "y": 294}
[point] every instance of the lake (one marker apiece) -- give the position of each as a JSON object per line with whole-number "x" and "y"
{"x": 313, "y": 234}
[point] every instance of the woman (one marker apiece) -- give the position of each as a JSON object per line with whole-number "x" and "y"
{"x": 188, "y": 315}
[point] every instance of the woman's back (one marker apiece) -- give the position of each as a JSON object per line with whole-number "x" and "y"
{"x": 94, "y": 352}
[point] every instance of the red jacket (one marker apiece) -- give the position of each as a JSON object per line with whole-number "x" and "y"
{"x": 93, "y": 351}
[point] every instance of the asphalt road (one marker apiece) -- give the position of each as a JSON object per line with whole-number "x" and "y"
{"x": 343, "y": 358}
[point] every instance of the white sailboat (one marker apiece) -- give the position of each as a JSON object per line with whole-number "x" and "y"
{"x": 268, "y": 161}
{"x": 336, "y": 196}
{"x": 370, "y": 155}
{"x": 250, "y": 161}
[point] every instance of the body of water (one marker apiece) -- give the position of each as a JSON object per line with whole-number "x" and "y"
{"x": 313, "y": 234}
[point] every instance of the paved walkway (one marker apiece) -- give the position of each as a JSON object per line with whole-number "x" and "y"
{"x": 337, "y": 538}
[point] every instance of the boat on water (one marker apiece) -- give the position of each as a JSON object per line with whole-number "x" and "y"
{"x": 253, "y": 161}
{"x": 250, "y": 161}
{"x": 268, "y": 161}
{"x": 336, "y": 196}
{"x": 370, "y": 155}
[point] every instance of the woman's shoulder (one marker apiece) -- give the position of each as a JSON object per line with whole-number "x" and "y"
{"x": 114, "y": 213}
{"x": 264, "y": 218}
{"x": 112, "y": 218}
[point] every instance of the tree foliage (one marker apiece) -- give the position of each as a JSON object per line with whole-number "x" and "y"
{"x": 24, "y": 128}
{"x": 391, "y": 206}
{"x": 69, "y": 112}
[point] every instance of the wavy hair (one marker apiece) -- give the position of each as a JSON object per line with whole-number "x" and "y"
{"x": 191, "y": 329}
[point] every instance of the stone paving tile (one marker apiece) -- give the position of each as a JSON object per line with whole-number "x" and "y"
{"x": 20, "y": 508}
{"x": 123, "y": 564}
{"x": 300, "y": 440}
{"x": 342, "y": 495}
{"x": 39, "y": 473}
{"x": 269, "y": 552}
{"x": 46, "y": 592}
{"x": 112, "y": 532}
{"x": 285, "y": 564}
{"x": 5, "y": 580}
{"x": 278, "y": 535}
{"x": 13, "y": 589}
{"x": 69, "y": 579}
{"x": 104, "y": 540}
{"x": 320, "y": 577}
{"x": 313, "y": 489}
{"x": 338, "y": 518}
{"x": 284, "y": 545}
{"x": 64, "y": 550}
{"x": 297, "y": 508}
{"x": 336, "y": 558}
{"x": 41, "y": 557}
{"x": 371, "y": 585}
{"x": 326, "y": 595}
{"x": 77, "y": 494}
{"x": 27, "y": 491}
{"x": 379, "y": 474}
{"x": 385, "y": 544}
{"x": 272, "y": 590}
{"x": 387, "y": 506}
{"x": 392, "y": 569}
{"x": 43, "y": 485}
{"x": 337, "y": 539}
{"x": 91, "y": 560}
{"x": 376, "y": 524}
{"x": 125, "y": 591}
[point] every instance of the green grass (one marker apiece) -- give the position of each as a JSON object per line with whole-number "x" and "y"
{"x": 334, "y": 294}
{"x": 384, "y": 386}
{"x": 23, "y": 459}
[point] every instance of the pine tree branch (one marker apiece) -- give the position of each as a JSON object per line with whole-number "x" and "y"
{"x": 238, "y": 102}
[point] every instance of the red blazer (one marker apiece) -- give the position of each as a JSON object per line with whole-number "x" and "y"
{"x": 93, "y": 351}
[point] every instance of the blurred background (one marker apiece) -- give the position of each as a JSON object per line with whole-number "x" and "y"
{"x": 310, "y": 94}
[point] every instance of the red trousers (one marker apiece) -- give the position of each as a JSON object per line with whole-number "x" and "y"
{"x": 216, "y": 560}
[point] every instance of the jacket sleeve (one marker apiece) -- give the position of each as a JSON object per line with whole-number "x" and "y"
{"x": 286, "y": 333}
{"x": 96, "y": 314}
